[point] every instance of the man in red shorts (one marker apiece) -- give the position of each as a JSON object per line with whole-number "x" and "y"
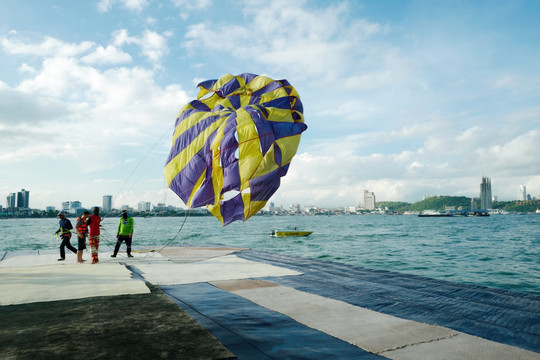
{"x": 94, "y": 222}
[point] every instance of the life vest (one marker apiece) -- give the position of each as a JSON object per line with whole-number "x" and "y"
{"x": 81, "y": 225}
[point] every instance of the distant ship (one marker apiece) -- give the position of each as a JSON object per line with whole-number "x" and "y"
{"x": 434, "y": 213}
{"x": 452, "y": 213}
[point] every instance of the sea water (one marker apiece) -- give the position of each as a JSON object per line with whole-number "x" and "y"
{"x": 501, "y": 251}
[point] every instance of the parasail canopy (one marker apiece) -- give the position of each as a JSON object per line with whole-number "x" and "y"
{"x": 233, "y": 144}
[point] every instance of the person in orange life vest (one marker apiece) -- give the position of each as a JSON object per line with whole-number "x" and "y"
{"x": 65, "y": 235}
{"x": 93, "y": 223}
{"x": 82, "y": 230}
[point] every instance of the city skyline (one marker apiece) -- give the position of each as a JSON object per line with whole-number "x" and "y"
{"x": 485, "y": 199}
{"x": 402, "y": 98}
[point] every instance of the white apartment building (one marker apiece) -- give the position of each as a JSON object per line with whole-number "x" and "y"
{"x": 522, "y": 193}
{"x": 369, "y": 200}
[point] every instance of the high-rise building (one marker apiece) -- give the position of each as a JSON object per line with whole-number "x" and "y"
{"x": 74, "y": 206}
{"x": 144, "y": 206}
{"x": 369, "y": 200}
{"x": 107, "y": 203}
{"x": 485, "y": 193}
{"x": 11, "y": 201}
{"x": 522, "y": 193}
{"x": 65, "y": 206}
{"x": 295, "y": 208}
{"x": 23, "y": 199}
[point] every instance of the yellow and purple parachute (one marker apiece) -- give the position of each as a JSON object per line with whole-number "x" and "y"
{"x": 232, "y": 145}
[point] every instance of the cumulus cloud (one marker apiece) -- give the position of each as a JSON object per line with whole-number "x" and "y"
{"x": 443, "y": 165}
{"x": 286, "y": 35}
{"x": 17, "y": 107}
{"x": 40, "y": 151}
{"x": 193, "y": 5}
{"x": 132, "y": 5}
{"x": 25, "y": 68}
{"x": 108, "y": 55}
{"x": 152, "y": 44}
{"x": 69, "y": 106}
{"x": 49, "y": 46}
{"x": 517, "y": 155}
{"x": 388, "y": 109}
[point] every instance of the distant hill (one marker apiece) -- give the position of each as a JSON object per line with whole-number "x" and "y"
{"x": 395, "y": 206}
{"x": 439, "y": 203}
{"x": 523, "y": 206}
{"x": 432, "y": 203}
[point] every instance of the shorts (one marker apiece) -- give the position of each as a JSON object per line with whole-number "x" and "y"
{"x": 82, "y": 243}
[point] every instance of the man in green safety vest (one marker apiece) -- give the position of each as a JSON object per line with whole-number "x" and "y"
{"x": 124, "y": 233}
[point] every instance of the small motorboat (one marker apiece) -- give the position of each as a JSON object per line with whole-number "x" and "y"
{"x": 294, "y": 232}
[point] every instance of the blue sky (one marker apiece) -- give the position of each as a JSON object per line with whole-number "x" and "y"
{"x": 403, "y": 98}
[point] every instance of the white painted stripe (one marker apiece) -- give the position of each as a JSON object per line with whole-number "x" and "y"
{"x": 379, "y": 333}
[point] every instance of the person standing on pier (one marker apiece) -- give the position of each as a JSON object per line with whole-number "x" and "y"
{"x": 65, "y": 235}
{"x": 124, "y": 233}
{"x": 82, "y": 230}
{"x": 94, "y": 222}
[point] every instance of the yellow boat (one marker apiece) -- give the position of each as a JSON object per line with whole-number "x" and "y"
{"x": 281, "y": 233}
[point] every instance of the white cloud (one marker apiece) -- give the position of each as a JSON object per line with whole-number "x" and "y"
{"x": 108, "y": 55}
{"x": 193, "y": 5}
{"x": 81, "y": 109}
{"x": 519, "y": 155}
{"x": 132, "y": 5}
{"x": 59, "y": 76}
{"x": 469, "y": 135}
{"x": 445, "y": 165}
{"x": 284, "y": 35}
{"x": 45, "y": 150}
{"x": 389, "y": 108}
{"x": 17, "y": 107}
{"x": 416, "y": 165}
{"x": 47, "y": 47}
{"x": 152, "y": 44}
{"x": 25, "y": 68}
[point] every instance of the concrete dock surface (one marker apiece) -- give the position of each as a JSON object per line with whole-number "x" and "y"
{"x": 217, "y": 302}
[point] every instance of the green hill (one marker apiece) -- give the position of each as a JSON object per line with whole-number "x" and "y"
{"x": 439, "y": 203}
{"x": 523, "y": 206}
{"x": 432, "y": 203}
{"x": 393, "y": 205}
